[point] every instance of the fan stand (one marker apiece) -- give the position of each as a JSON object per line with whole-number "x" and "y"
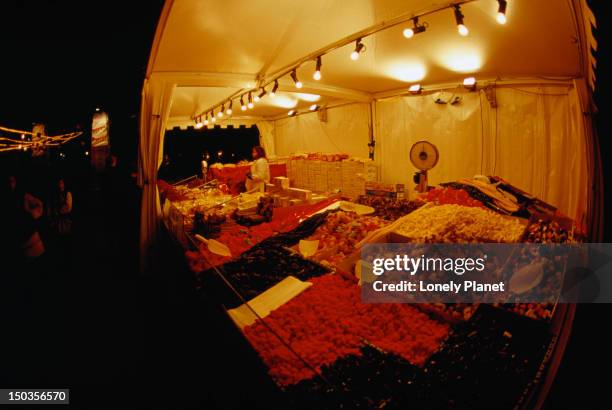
{"x": 421, "y": 177}
{"x": 424, "y": 156}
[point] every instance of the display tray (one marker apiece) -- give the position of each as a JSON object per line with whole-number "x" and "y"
{"x": 490, "y": 356}
{"x": 466, "y": 372}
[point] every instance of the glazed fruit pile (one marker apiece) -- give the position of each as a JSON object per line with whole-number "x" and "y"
{"x": 447, "y": 195}
{"x": 388, "y": 208}
{"x": 541, "y": 231}
{"x": 257, "y": 270}
{"x": 538, "y": 311}
{"x": 339, "y": 234}
{"x": 328, "y": 321}
{"x": 459, "y": 224}
{"x": 450, "y": 312}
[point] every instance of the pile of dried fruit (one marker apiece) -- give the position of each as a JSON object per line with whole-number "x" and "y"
{"x": 389, "y": 208}
{"x": 340, "y": 232}
{"x": 459, "y": 224}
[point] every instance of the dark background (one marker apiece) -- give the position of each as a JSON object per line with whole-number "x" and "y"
{"x": 99, "y": 325}
{"x": 186, "y": 148}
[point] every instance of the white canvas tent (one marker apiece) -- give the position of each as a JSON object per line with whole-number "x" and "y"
{"x": 538, "y": 67}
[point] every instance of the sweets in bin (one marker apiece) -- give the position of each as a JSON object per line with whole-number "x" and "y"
{"x": 263, "y": 213}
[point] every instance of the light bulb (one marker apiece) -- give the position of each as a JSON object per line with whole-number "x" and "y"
{"x": 250, "y": 105}
{"x": 298, "y": 84}
{"x": 501, "y": 11}
{"x": 415, "y": 89}
{"x": 206, "y": 122}
{"x": 228, "y": 111}
{"x": 408, "y": 33}
{"x": 273, "y": 92}
{"x": 220, "y": 114}
{"x": 463, "y": 30}
{"x": 358, "y": 48}
{"x": 256, "y": 98}
{"x": 213, "y": 119}
{"x": 469, "y": 81}
{"x": 243, "y": 107}
{"x": 317, "y": 73}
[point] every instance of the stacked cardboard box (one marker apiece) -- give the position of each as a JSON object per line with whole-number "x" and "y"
{"x": 348, "y": 176}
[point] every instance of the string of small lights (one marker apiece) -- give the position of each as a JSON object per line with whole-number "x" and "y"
{"x": 202, "y": 119}
{"x": 38, "y": 141}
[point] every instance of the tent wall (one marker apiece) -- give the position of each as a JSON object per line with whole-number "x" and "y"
{"x": 346, "y": 130}
{"x": 154, "y": 111}
{"x": 534, "y": 139}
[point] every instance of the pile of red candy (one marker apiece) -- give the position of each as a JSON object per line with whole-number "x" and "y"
{"x": 444, "y": 196}
{"x": 328, "y": 321}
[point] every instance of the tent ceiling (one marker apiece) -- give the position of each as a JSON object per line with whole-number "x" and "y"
{"x": 240, "y": 40}
{"x": 191, "y": 101}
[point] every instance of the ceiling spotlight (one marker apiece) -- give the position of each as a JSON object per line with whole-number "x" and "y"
{"x": 501, "y": 11}
{"x": 229, "y": 109}
{"x": 206, "y": 120}
{"x": 220, "y": 113}
{"x": 262, "y": 93}
{"x": 97, "y": 109}
{"x": 317, "y": 73}
{"x": 416, "y": 28}
{"x": 199, "y": 124}
{"x": 212, "y": 117}
{"x": 292, "y": 113}
{"x": 461, "y": 28}
{"x": 242, "y": 106}
{"x": 256, "y": 98}
{"x": 298, "y": 83}
{"x": 415, "y": 89}
{"x": 250, "y": 104}
{"x": 274, "y": 89}
{"x": 359, "y": 47}
{"x": 469, "y": 83}
{"x": 314, "y": 107}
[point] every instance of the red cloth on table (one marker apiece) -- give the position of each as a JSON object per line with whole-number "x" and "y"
{"x": 233, "y": 176}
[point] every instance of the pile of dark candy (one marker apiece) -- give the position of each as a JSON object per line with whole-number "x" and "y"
{"x": 373, "y": 380}
{"x": 257, "y": 270}
{"x": 302, "y": 231}
{"x": 487, "y": 362}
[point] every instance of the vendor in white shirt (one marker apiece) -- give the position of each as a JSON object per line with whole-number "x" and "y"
{"x": 260, "y": 171}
